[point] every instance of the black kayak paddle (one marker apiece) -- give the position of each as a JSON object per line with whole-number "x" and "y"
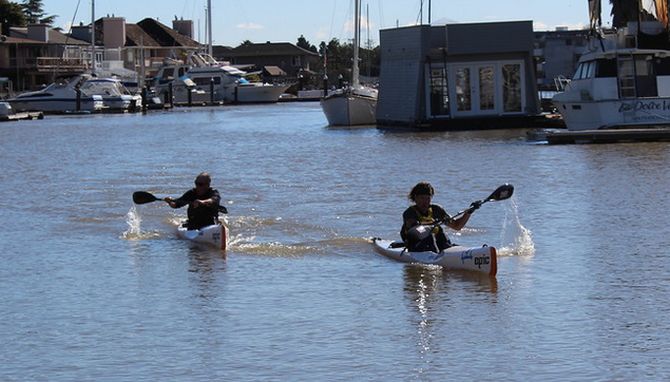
{"x": 144, "y": 197}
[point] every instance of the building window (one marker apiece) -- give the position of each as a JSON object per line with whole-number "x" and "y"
{"x": 439, "y": 95}
{"x": 486, "y": 88}
{"x": 511, "y": 87}
{"x": 463, "y": 91}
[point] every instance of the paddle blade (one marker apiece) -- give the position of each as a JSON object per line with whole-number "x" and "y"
{"x": 501, "y": 193}
{"x": 142, "y": 197}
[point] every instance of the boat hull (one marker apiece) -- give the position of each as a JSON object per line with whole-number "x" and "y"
{"x": 254, "y": 93}
{"x": 476, "y": 259}
{"x": 215, "y": 235}
{"x": 57, "y": 105}
{"x": 349, "y": 110}
{"x": 594, "y": 115}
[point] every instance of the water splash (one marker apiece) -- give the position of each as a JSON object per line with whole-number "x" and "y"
{"x": 516, "y": 240}
{"x": 134, "y": 222}
{"x": 134, "y": 231}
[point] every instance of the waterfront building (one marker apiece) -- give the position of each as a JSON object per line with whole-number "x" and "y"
{"x": 30, "y": 55}
{"x": 34, "y": 56}
{"x": 557, "y": 54}
{"x": 272, "y": 59}
{"x": 479, "y": 75}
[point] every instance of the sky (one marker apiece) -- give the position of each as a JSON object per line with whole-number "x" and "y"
{"x": 321, "y": 20}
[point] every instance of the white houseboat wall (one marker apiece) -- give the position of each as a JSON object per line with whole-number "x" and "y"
{"x": 460, "y": 76}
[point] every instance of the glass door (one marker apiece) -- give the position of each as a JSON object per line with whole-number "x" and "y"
{"x": 474, "y": 87}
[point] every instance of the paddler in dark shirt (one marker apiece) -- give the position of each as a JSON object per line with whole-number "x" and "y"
{"x": 203, "y": 203}
{"x": 416, "y": 231}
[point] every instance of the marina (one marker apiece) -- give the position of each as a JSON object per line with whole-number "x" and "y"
{"x": 277, "y": 211}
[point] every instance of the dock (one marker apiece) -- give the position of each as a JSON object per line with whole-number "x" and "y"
{"x": 21, "y": 116}
{"x": 556, "y": 137}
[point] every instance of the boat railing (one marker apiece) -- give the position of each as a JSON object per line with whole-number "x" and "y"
{"x": 561, "y": 82}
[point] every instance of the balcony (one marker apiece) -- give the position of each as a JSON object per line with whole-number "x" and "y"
{"x": 50, "y": 64}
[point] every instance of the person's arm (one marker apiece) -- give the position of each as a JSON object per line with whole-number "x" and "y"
{"x": 457, "y": 224}
{"x": 212, "y": 201}
{"x": 180, "y": 202}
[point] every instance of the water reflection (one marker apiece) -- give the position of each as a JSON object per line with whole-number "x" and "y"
{"x": 205, "y": 263}
{"x": 428, "y": 291}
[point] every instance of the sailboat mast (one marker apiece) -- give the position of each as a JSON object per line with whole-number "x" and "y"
{"x": 92, "y": 36}
{"x": 357, "y": 38}
{"x": 209, "y": 27}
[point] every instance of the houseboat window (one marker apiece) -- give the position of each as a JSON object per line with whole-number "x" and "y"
{"x": 439, "y": 96}
{"x": 605, "y": 68}
{"x": 486, "y": 88}
{"x": 645, "y": 77}
{"x": 662, "y": 66}
{"x": 511, "y": 87}
{"x": 578, "y": 72}
{"x": 463, "y": 91}
{"x": 591, "y": 70}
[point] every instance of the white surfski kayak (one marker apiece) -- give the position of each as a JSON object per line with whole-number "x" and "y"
{"x": 479, "y": 259}
{"x": 216, "y": 234}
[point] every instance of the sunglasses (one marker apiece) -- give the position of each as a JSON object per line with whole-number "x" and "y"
{"x": 201, "y": 184}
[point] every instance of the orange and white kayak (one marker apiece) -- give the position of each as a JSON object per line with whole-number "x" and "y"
{"x": 215, "y": 234}
{"x": 478, "y": 259}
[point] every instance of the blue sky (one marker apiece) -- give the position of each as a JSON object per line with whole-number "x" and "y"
{"x": 321, "y": 20}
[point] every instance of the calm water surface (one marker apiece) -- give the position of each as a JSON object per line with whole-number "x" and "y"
{"x": 92, "y": 289}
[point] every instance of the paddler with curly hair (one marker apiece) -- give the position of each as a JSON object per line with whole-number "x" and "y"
{"x": 418, "y": 231}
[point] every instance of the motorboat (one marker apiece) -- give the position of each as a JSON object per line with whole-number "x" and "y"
{"x": 208, "y": 80}
{"x": 63, "y": 96}
{"x": 355, "y": 104}
{"x": 618, "y": 85}
{"x": 115, "y": 96}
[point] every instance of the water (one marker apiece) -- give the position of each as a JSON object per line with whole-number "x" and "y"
{"x": 94, "y": 288}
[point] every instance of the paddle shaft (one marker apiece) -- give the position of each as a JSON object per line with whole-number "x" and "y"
{"x": 143, "y": 197}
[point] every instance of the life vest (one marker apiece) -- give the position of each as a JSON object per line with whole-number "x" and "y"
{"x": 424, "y": 219}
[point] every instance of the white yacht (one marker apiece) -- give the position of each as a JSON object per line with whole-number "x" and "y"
{"x": 59, "y": 97}
{"x": 115, "y": 96}
{"x": 618, "y": 86}
{"x": 355, "y": 104}
{"x": 203, "y": 73}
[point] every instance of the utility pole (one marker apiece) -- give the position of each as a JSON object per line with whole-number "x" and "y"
{"x": 92, "y": 36}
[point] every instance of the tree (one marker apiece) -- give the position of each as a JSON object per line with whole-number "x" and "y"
{"x": 11, "y": 15}
{"x": 34, "y": 13}
{"x": 303, "y": 43}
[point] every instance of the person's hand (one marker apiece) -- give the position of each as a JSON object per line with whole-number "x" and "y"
{"x": 474, "y": 206}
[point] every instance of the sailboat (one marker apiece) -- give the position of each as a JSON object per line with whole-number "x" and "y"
{"x": 355, "y": 104}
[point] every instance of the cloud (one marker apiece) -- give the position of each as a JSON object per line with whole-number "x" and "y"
{"x": 322, "y": 33}
{"x": 349, "y": 26}
{"x": 249, "y": 26}
{"x": 540, "y": 26}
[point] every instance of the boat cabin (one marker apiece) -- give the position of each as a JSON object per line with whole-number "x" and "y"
{"x": 624, "y": 74}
